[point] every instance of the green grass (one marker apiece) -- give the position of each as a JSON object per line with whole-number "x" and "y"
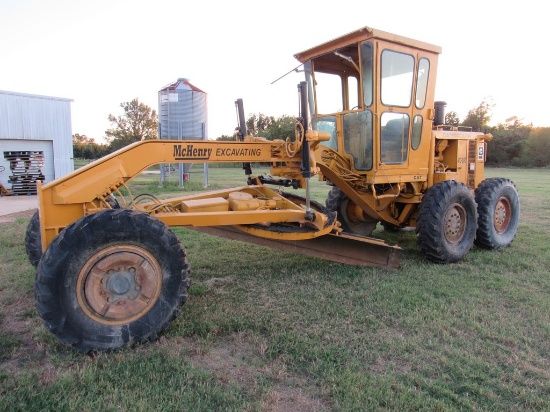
{"x": 266, "y": 330}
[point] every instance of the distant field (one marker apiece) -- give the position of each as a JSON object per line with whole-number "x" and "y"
{"x": 268, "y": 331}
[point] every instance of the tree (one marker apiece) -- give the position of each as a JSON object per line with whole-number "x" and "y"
{"x": 257, "y": 124}
{"x": 479, "y": 117}
{"x": 82, "y": 138}
{"x": 139, "y": 122}
{"x": 270, "y": 127}
{"x": 508, "y": 141}
{"x": 452, "y": 119}
{"x": 85, "y": 147}
{"x": 282, "y": 128}
{"x": 536, "y": 151}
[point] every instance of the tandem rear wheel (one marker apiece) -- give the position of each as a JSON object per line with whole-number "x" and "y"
{"x": 498, "y": 207}
{"x": 111, "y": 279}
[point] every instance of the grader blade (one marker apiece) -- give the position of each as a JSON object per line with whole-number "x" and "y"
{"x": 343, "y": 248}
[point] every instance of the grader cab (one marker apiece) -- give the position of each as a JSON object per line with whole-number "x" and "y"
{"x": 390, "y": 157}
{"x": 110, "y": 271}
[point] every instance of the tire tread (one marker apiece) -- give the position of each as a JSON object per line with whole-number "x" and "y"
{"x": 113, "y": 226}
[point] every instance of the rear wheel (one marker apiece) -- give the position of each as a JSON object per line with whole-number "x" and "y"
{"x": 447, "y": 222}
{"x": 351, "y": 217}
{"x": 111, "y": 279}
{"x": 33, "y": 240}
{"x": 498, "y": 208}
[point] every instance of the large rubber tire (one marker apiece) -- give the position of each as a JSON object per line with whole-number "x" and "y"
{"x": 447, "y": 222}
{"x": 111, "y": 279}
{"x": 338, "y": 202}
{"x": 498, "y": 208}
{"x": 33, "y": 240}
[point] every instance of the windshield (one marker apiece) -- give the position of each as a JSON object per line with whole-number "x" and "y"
{"x": 334, "y": 79}
{"x": 327, "y": 124}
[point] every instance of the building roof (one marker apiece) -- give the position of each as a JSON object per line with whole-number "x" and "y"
{"x": 36, "y": 96}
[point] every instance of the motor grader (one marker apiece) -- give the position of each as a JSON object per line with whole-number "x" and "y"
{"x": 3, "y": 190}
{"x": 110, "y": 271}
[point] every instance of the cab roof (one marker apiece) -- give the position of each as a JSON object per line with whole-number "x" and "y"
{"x": 360, "y": 35}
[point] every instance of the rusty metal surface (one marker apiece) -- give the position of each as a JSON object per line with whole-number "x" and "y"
{"x": 119, "y": 284}
{"x": 351, "y": 250}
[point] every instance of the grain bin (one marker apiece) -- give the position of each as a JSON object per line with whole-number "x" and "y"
{"x": 182, "y": 116}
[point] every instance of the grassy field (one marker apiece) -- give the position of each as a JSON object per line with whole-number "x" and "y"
{"x": 268, "y": 331}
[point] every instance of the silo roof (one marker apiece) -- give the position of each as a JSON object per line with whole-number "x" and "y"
{"x": 174, "y": 86}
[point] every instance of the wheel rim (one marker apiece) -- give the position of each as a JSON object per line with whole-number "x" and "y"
{"x": 503, "y": 215}
{"x": 119, "y": 284}
{"x": 354, "y": 213}
{"x": 455, "y": 223}
{"x": 356, "y": 219}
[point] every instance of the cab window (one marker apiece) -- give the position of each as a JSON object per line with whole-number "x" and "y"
{"x": 417, "y": 132}
{"x": 358, "y": 138}
{"x": 422, "y": 82}
{"x": 397, "y": 78}
{"x": 366, "y": 68}
{"x": 327, "y": 124}
{"x": 394, "y": 137}
{"x": 328, "y": 93}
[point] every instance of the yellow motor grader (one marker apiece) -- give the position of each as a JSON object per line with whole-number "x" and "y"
{"x": 110, "y": 271}
{"x": 3, "y": 190}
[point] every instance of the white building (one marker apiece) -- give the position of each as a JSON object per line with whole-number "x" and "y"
{"x": 39, "y": 125}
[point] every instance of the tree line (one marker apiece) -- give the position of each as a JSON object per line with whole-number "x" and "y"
{"x": 514, "y": 143}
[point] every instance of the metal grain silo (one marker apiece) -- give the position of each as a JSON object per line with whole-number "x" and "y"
{"x": 182, "y": 115}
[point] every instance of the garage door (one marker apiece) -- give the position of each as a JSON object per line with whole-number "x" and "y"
{"x": 15, "y": 145}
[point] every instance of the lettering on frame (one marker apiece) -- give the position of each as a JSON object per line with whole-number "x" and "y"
{"x": 192, "y": 152}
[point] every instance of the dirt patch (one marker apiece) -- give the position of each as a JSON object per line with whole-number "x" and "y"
{"x": 21, "y": 350}
{"x": 241, "y": 360}
{"x": 27, "y": 354}
{"x": 212, "y": 282}
{"x": 13, "y": 216}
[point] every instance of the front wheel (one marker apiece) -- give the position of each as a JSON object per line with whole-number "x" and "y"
{"x": 498, "y": 208}
{"x": 33, "y": 240}
{"x": 111, "y": 279}
{"x": 447, "y": 222}
{"x": 352, "y": 218}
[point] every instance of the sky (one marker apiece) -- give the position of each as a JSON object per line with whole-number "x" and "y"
{"x": 100, "y": 53}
